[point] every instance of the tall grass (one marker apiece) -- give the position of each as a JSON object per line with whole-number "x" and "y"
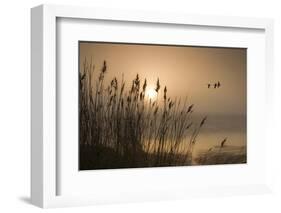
{"x": 120, "y": 127}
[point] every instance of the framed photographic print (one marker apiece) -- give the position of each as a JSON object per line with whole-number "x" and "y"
{"x": 130, "y": 106}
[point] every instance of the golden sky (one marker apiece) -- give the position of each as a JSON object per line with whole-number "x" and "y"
{"x": 185, "y": 70}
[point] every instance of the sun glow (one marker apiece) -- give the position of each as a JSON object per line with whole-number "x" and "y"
{"x": 151, "y": 94}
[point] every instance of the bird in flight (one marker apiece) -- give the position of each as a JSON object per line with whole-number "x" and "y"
{"x": 215, "y": 85}
{"x": 219, "y": 84}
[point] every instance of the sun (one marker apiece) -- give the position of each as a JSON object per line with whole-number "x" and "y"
{"x": 151, "y": 94}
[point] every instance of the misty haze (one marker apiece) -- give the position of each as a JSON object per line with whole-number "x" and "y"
{"x": 144, "y": 105}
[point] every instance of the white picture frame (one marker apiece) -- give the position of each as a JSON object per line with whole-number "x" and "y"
{"x": 44, "y": 150}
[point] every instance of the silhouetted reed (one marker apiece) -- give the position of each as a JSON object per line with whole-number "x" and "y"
{"x": 120, "y": 127}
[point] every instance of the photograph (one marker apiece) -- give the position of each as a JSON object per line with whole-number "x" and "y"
{"x": 161, "y": 105}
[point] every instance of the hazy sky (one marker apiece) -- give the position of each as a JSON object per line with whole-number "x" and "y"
{"x": 185, "y": 71}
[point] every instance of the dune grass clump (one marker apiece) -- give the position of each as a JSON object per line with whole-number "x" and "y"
{"x": 120, "y": 127}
